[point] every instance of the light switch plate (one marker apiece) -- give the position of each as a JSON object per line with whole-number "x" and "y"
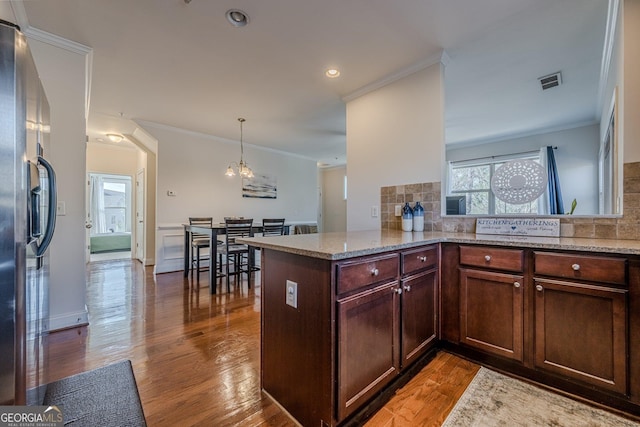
{"x": 61, "y": 208}
{"x": 292, "y": 294}
{"x": 398, "y": 210}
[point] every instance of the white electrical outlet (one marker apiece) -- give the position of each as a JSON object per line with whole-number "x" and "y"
{"x": 171, "y": 193}
{"x": 374, "y": 212}
{"x": 292, "y": 294}
{"x": 398, "y": 210}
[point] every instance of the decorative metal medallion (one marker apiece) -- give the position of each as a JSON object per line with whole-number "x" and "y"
{"x": 519, "y": 181}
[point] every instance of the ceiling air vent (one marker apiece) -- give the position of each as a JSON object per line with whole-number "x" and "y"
{"x": 552, "y": 80}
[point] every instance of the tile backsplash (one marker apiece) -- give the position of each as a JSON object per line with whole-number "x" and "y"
{"x": 428, "y": 194}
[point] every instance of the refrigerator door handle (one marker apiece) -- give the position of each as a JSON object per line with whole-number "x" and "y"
{"x": 53, "y": 201}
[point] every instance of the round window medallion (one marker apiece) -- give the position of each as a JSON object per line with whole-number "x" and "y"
{"x": 519, "y": 181}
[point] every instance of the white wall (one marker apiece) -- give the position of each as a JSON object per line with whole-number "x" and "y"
{"x": 576, "y": 158}
{"x": 334, "y": 206}
{"x": 63, "y": 77}
{"x": 193, "y": 166}
{"x": 395, "y": 136}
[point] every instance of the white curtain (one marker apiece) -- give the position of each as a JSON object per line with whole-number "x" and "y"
{"x": 96, "y": 198}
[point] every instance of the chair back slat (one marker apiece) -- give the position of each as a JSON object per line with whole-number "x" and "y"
{"x": 238, "y": 228}
{"x": 273, "y": 227}
{"x": 201, "y": 221}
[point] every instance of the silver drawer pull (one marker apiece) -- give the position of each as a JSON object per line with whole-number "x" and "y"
{"x": 516, "y": 284}
{"x": 397, "y": 291}
{"x": 539, "y": 288}
{"x": 407, "y": 288}
{"x": 375, "y": 272}
{"x": 422, "y": 258}
{"x": 576, "y": 267}
{"x": 487, "y": 258}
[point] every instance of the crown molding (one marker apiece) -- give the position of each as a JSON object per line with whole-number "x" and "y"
{"x": 524, "y": 134}
{"x": 57, "y": 41}
{"x": 440, "y": 57}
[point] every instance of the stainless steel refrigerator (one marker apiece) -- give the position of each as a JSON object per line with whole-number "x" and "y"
{"x": 27, "y": 221}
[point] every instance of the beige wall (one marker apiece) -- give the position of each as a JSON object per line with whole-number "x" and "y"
{"x": 113, "y": 159}
{"x": 334, "y": 206}
{"x": 395, "y": 135}
{"x": 631, "y": 77}
{"x": 63, "y": 77}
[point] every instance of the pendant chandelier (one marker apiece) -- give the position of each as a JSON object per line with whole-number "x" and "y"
{"x": 243, "y": 168}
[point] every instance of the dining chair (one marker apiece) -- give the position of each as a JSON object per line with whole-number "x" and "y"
{"x": 200, "y": 241}
{"x": 273, "y": 226}
{"x": 237, "y": 254}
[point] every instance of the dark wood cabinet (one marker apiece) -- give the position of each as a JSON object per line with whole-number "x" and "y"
{"x": 419, "y": 315}
{"x": 566, "y": 319}
{"x": 491, "y": 312}
{"x": 392, "y": 323}
{"x": 581, "y": 326}
{"x": 368, "y": 337}
{"x": 580, "y": 332}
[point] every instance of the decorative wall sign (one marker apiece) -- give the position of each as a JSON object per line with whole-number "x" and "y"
{"x": 545, "y": 227}
{"x": 260, "y": 187}
{"x": 519, "y": 181}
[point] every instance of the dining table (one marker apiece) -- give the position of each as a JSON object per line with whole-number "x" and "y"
{"x": 213, "y": 232}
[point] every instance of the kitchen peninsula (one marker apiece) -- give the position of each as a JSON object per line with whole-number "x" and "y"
{"x": 346, "y": 317}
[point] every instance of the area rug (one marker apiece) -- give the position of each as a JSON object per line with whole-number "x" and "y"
{"x": 493, "y": 399}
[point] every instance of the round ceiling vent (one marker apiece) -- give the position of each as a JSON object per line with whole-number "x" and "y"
{"x": 519, "y": 181}
{"x": 237, "y": 18}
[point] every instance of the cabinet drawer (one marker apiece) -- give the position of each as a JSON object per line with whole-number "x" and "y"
{"x": 419, "y": 259}
{"x": 582, "y": 267}
{"x": 496, "y": 258}
{"x": 363, "y": 272}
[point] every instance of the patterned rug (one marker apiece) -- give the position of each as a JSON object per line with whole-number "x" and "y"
{"x": 493, "y": 399}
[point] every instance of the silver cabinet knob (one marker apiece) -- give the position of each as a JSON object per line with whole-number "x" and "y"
{"x": 407, "y": 288}
{"x": 487, "y": 258}
{"x": 397, "y": 290}
{"x": 576, "y": 267}
{"x": 516, "y": 284}
{"x": 375, "y": 272}
{"x": 539, "y": 288}
{"x": 422, "y": 258}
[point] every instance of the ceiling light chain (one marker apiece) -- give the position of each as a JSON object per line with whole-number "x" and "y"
{"x": 243, "y": 168}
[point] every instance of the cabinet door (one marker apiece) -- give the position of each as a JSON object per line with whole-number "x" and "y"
{"x": 419, "y": 315}
{"x": 368, "y": 337}
{"x": 581, "y": 332}
{"x": 491, "y": 317}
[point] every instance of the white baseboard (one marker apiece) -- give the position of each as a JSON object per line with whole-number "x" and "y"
{"x": 69, "y": 320}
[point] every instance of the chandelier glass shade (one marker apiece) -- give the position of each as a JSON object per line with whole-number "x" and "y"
{"x": 243, "y": 168}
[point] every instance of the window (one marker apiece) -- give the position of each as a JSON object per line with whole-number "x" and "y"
{"x": 472, "y": 178}
{"x": 110, "y": 197}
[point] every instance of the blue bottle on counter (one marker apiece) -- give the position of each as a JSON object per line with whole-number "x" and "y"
{"x": 418, "y": 217}
{"x": 407, "y": 217}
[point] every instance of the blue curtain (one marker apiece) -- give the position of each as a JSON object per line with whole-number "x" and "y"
{"x": 555, "y": 194}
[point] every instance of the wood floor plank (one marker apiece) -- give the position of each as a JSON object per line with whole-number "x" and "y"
{"x": 196, "y": 356}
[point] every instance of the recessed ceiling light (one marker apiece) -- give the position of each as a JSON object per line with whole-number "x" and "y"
{"x": 114, "y": 137}
{"x": 237, "y": 18}
{"x": 332, "y": 73}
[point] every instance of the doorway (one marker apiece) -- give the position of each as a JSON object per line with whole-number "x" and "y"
{"x": 109, "y": 216}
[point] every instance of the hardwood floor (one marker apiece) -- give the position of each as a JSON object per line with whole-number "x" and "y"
{"x": 196, "y": 356}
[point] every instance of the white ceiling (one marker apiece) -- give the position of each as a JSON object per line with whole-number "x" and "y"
{"x": 183, "y": 65}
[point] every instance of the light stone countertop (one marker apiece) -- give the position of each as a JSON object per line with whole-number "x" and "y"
{"x": 343, "y": 245}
